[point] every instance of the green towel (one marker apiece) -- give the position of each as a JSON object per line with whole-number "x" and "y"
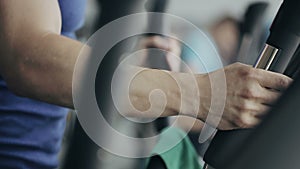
{"x": 182, "y": 155}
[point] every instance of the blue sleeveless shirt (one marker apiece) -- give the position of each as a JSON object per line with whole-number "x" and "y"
{"x": 31, "y": 131}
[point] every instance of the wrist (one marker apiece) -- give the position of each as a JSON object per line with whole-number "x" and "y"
{"x": 204, "y": 87}
{"x": 188, "y": 94}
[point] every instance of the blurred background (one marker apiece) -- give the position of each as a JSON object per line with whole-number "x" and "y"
{"x": 206, "y": 12}
{"x": 200, "y": 12}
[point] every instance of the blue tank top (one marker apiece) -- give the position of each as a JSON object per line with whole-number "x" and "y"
{"x": 31, "y": 131}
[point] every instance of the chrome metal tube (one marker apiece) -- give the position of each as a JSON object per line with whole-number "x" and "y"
{"x": 267, "y": 57}
{"x": 206, "y": 166}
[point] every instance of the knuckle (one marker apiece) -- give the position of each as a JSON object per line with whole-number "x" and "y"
{"x": 247, "y": 73}
{"x": 247, "y": 120}
{"x": 242, "y": 107}
{"x": 154, "y": 39}
{"x": 283, "y": 82}
{"x": 249, "y": 93}
{"x": 240, "y": 122}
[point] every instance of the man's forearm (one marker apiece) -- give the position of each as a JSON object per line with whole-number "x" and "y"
{"x": 145, "y": 83}
{"x": 150, "y": 89}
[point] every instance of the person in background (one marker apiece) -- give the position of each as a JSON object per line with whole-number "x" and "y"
{"x": 226, "y": 35}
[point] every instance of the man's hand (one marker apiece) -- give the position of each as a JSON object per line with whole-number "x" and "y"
{"x": 250, "y": 94}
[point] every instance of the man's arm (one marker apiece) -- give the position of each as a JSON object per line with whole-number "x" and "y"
{"x": 250, "y": 93}
{"x": 35, "y": 60}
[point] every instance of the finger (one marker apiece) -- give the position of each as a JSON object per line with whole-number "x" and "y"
{"x": 268, "y": 96}
{"x": 157, "y": 42}
{"x": 261, "y": 110}
{"x": 173, "y": 61}
{"x": 273, "y": 80}
{"x": 247, "y": 120}
{"x": 253, "y": 107}
{"x": 174, "y": 46}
